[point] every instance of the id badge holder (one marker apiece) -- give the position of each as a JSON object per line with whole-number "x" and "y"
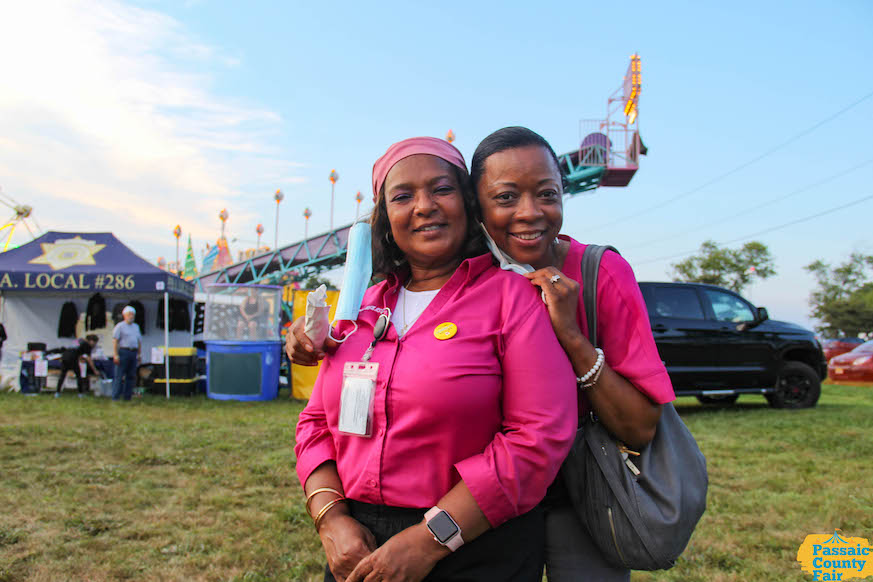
{"x": 356, "y": 399}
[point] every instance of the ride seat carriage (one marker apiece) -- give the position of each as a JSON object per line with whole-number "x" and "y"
{"x": 595, "y": 149}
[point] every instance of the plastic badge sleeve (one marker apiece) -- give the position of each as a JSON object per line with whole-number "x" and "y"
{"x": 356, "y": 400}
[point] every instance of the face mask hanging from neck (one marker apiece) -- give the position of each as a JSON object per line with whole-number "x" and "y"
{"x": 356, "y": 276}
{"x": 506, "y": 262}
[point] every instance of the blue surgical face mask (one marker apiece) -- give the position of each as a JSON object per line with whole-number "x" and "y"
{"x": 357, "y": 274}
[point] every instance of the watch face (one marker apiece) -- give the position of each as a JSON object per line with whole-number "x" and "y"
{"x": 442, "y": 527}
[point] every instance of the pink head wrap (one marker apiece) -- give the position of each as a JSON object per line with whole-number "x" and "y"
{"x": 409, "y": 147}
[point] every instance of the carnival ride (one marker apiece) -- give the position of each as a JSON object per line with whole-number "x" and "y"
{"x": 610, "y": 148}
{"x": 21, "y": 214}
{"x": 608, "y": 155}
{"x": 286, "y": 265}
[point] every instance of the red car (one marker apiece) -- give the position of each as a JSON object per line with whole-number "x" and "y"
{"x": 854, "y": 366}
{"x": 835, "y": 347}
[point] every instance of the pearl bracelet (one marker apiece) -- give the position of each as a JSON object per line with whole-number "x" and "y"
{"x": 594, "y": 380}
{"x": 594, "y": 371}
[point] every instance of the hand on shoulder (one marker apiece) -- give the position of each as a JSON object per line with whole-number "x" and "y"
{"x": 561, "y": 294}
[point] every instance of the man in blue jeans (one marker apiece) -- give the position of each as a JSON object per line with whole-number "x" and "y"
{"x": 127, "y": 342}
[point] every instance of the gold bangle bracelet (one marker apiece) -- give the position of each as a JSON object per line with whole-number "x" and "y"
{"x": 325, "y": 509}
{"x": 594, "y": 380}
{"x": 312, "y": 495}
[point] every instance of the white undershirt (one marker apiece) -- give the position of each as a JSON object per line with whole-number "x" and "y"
{"x": 410, "y": 306}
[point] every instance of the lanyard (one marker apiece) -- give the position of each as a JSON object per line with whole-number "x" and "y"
{"x": 380, "y": 330}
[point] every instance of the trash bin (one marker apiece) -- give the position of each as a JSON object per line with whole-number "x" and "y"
{"x": 243, "y": 370}
{"x": 183, "y": 373}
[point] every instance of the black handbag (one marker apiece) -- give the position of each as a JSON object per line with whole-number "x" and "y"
{"x": 639, "y": 507}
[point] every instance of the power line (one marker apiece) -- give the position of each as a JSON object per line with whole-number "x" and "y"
{"x": 766, "y": 230}
{"x": 759, "y": 206}
{"x": 799, "y": 220}
{"x": 736, "y": 169}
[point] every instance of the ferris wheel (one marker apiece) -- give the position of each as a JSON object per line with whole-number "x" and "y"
{"x": 21, "y": 214}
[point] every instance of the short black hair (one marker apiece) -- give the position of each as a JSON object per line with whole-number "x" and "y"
{"x": 506, "y": 139}
{"x": 387, "y": 256}
{"x": 92, "y": 338}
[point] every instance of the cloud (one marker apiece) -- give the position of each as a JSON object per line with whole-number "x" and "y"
{"x": 109, "y": 123}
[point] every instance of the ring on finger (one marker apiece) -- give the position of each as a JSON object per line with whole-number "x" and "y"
{"x": 554, "y": 279}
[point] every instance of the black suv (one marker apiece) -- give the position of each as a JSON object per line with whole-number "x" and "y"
{"x": 716, "y": 346}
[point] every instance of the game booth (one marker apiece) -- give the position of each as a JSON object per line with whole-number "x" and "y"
{"x": 64, "y": 286}
{"x": 243, "y": 345}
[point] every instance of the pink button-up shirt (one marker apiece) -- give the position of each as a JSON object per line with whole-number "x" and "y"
{"x": 623, "y": 328}
{"x": 493, "y": 405}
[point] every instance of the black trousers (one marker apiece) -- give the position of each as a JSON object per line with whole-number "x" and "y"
{"x": 571, "y": 553}
{"x": 68, "y": 366}
{"x": 512, "y": 552}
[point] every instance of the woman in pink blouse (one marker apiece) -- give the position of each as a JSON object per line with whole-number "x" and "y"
{"x": 469, "y": 422}
{"x": 516, "y": 174}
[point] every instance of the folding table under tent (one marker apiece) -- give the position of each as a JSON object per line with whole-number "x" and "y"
{"x": 37, "y": 278}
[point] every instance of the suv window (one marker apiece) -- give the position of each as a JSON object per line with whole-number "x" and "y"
{"x": 727, "y": 307}
{"x": 675, "y": 302}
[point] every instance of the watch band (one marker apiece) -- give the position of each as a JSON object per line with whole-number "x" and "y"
{"x": 454, "y": 542}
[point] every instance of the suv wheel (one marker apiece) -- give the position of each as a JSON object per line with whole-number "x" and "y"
{"x": 798, "y": 386}
{"x": 723, "y": 400}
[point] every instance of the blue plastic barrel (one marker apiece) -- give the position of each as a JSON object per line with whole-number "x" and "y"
{"x": 247, "y": 371}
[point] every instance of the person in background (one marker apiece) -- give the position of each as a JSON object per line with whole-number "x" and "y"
{"x": 70, "y": 361}
{"x": 127, "y": 343}
{"x": 2, "y": 339}
{"x": 250, "y": 310}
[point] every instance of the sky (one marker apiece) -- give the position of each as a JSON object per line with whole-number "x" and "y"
{"x": 133, "y": 117}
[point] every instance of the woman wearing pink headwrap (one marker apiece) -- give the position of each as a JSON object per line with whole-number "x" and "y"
{"x": 468, "y": 424}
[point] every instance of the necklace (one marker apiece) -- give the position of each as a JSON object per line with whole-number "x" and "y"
{"x": 405, "y": 325}
{"x": 419, "y": 300}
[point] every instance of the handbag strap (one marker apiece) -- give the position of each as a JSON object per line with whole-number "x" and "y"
{"x": 591, "y": 257}
{"x": 590, "y": 267}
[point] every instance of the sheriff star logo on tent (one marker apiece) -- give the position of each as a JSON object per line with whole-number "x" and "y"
{"x": 68, "y": 252}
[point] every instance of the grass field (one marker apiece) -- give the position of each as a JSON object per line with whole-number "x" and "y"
{"x": 195, "y": 489}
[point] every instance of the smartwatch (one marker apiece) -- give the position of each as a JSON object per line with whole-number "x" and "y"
{"x": 443, "y": 528}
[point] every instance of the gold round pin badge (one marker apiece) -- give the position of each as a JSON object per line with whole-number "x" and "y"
{"x": 445, "y": 330}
